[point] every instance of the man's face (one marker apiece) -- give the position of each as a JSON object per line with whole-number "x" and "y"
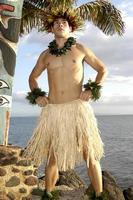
{"x": 61, "y": 27}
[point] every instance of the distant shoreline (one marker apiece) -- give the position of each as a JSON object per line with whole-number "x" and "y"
{"x": 97, "y": 115}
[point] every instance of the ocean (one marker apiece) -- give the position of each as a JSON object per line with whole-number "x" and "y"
{"x": 116, "y": 133}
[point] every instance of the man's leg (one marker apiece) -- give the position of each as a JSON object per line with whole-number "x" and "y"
{"x": 51, "y": 173}
{"x": 95, "y": 174}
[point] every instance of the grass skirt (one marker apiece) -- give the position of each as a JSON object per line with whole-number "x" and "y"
{"x": 67, "y": 129}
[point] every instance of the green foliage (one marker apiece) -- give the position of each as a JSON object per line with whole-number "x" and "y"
{"x": 104, "y": 15}
{"x": 101, "y": 13}
{"x": 54, "y": 195}
{"x": 103, "y": 196}
{"x": 34, "y": 94}
{"x": 95, "y": 89}
{"x": 67, "y": 46}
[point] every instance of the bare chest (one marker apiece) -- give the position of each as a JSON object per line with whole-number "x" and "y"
{"x": 70, "y": 61}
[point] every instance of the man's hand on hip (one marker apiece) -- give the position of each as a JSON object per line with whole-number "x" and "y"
{"x": 86, "y": 95}
{"x": 42, "y": 101}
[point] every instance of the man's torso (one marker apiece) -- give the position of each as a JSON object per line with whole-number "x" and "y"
{"x": 65, "y": 75}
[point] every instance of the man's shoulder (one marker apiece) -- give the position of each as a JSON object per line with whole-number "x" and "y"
{"x": 44, "y": 53}
{"x": 81, "y": 46}
{"x": 85, "y": 49}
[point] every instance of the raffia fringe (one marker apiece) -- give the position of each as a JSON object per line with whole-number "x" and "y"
{"x": 68, "y": 129}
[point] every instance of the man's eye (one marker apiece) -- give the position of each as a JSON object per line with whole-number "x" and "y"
{"x": 3, "y": 100}
{"x": 3, "y": 84}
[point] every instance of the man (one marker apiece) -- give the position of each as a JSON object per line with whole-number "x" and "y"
{"x": 67, "y": 129}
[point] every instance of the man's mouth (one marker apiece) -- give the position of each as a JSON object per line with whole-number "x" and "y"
{"x": 6, "y": 7}
{"x": 61, "y": 29}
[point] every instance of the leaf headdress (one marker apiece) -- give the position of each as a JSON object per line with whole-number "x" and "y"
{"x": 41, "y": 13}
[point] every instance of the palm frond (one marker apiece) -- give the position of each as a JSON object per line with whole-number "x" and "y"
{"x": 50, "y": 3}
{"x": 40, "y": 4}
{"x": 31, "y": 17}
{"x": 65, "y": 3}
{"x": 103, "y": 15}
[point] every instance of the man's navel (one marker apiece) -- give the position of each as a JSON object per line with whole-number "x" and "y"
{"x": 62, "y": 92}
{"x": 74, "y": 61}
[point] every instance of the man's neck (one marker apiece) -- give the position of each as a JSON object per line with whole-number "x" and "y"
{"x": 60, "y": 41}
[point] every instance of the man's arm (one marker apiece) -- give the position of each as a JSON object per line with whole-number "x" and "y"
{"x": 96, "y": 64}
{"x": 37, "y": 70}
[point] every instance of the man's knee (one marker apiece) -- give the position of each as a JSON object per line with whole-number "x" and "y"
{"x": 51, "y": 160}
{"x": 90, "y": 158}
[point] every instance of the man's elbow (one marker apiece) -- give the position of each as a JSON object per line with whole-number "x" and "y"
{"x": 32, "y": 78}
{"x": 104, "y": 71}
{"x": 32, "y": 82}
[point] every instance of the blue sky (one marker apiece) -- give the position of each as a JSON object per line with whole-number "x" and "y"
{"x": 115, "y": 52}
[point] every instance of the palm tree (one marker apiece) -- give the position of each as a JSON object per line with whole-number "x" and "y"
{"x": 101, "y": 13}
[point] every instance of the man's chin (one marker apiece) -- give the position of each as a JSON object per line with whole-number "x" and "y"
{"x": 60, "y": 35}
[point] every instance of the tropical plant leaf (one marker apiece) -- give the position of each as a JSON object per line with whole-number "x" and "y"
{"x": 31, "y": 17}
{"x": 103, "y": 15}
{"x": 100, "y": 12}
{"x": 38, "y": 3}
{"x": 45, "y": 3}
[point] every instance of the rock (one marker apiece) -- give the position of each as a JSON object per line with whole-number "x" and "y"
{"x": 27, "y": 172}
{"x": 3, "y": 194}
{"x": 22, "y": 190}
{"x": 35, "y": 173}
{"x": 67, "y": 193}
{"x": 128, "y": 193}
{"x": 2, "y": 172}
{"x": 70, "y": 179}
{"x": 5, "y": 152}
{"x": 15, "y": 170}
{"x": 27, "y": 198}
{"x": 110, "y": 185}
{"x": 24, "y": 162}
{"x": 8, "y": 160}
{"x": 37, "y": 192}
{"x": 111, "y": 190}
{"x": 21, "y": 152}
{"x": 13, "y": 181}
{"x": 31, "y": 181}
{"x": 11, "y": 196}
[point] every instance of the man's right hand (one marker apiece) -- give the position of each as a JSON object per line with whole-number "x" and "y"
{"x": 42, "y": 101}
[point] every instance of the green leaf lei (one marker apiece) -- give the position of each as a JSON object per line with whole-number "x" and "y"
{"x": 34, "y": 94}
{"x": 95, "y": 89}
{"x": 54, "y": 50}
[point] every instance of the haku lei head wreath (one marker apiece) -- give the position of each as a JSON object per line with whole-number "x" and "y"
{"x": 69, "y": 14}
{"x": 41, "y": 14}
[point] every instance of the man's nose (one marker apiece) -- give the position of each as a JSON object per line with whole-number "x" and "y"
{"x": 60, "y": 24}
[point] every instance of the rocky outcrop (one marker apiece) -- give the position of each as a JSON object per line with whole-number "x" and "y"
{"x": 128, "y": 193}
{"x": 18, "y": 176}
{"x": 71, "y": 187}
{"x": 19, "y": 181}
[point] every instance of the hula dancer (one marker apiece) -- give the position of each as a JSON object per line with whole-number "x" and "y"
{"x": 67, "y": 131}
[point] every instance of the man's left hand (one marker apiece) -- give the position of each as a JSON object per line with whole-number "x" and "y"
{"x": 86, "y": 95}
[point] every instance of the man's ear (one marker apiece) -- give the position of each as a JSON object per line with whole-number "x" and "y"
{"x": 70, "y": 28}
{"x": 51, "y": 29}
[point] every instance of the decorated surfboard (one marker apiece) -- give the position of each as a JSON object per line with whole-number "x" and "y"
{"x": 10, "y": 19}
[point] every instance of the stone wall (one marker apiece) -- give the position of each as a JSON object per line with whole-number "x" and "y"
{"x": 18, "y": 176}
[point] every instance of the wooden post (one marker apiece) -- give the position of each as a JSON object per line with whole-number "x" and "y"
{"x": 10, "y": 20}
